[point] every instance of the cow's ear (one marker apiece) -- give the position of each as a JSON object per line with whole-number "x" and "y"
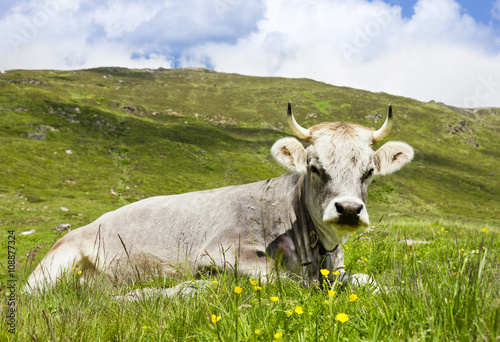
{"x": 391, "y": 157}
{"x": 290, "y": 153}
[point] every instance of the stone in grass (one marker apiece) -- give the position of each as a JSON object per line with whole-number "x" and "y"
{"x": 63, "y": 227}
{"x": 411, "y": 242}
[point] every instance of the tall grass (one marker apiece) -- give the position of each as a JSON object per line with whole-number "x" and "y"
{"x": 444, "y": 290}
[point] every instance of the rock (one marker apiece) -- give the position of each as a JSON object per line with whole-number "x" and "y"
{"x": 47, "y": 128}
{"x": 63, "y": 227}
{"x": 461, "y": 127}
{"x": 129, "y": 108}
{"x": 75, "y": 110}
{"x": 471, "y": 142}
{"x": 64, "y": 209}
{"x": 173, "y": 113}
{"x": 34, "y": 135}
{"x": 411, "y": 242}
{"x": 29, "y": 232}
{"x": 375, "y": 117}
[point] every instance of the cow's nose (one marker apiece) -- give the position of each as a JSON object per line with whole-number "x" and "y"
{"x": 349, "y": 212}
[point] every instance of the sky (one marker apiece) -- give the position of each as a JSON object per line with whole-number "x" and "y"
{"x": 442, "y": 50}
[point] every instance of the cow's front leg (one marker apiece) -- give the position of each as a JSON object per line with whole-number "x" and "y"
{"x": 354, "y": 280}
{"x": 187, "y": 288}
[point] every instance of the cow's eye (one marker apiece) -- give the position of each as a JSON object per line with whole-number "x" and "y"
{"x": 369, "y": 173}
{"x": 315, "y": 170}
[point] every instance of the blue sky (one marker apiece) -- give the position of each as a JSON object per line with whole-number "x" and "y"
{"x": 480, "y": 10}
{"x": 442, "y": 50}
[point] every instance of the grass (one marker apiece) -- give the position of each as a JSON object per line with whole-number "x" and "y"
{"x": 192, "y": 130}
{"x": 444, "y": 290}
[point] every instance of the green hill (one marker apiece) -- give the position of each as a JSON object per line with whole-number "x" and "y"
{"x": 89, "y": 141}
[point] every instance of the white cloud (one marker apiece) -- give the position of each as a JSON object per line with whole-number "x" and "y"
{"x": 80, "y": 34}
{"x": 496, "y": 10}
{"x": 438, "y": 54}
{"x": 119, "y": 17}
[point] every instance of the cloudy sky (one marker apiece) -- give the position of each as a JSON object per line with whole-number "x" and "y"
{"x": 442, "y": 50}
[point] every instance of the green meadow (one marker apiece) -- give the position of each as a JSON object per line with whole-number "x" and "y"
{"x": 77, "y": 144}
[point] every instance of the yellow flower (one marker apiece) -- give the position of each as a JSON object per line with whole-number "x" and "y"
{"x": 215, "y": 319}
{"x": 484, "y": 230}
{"x": 299, "y": 310}
{"x": 254, "y": 282}
{"x": 72, "y": 268}
{"x": 237, "y": 290}
{"x": 353, "y": 297}
{"x": 278, "y": 335}
{"x": 257, "y": 332}
{"x": 289, "y": 313}
{"x": 324, "y": 272}
{"x": 144, "y": 327}
{"x": 79, "y": 272}
{"x": 275, "y": 299}
{"x": 342, "y": 317}
{"x": 214, "y": 281}
{"x": 257, "y": 288}
{"x": 336, "y": 273}
{"x": 331, "y": 293}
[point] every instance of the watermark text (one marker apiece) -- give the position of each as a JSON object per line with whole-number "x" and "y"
{"x": 11, "y": 294}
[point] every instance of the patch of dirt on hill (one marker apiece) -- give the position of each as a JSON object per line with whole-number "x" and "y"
{"x": 463, "y": 128}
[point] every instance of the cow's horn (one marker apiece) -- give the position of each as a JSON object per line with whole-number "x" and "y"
{"x": 300, "y": 132}
{"x": 385, "y": 129}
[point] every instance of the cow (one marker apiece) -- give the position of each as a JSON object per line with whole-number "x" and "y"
{"x": 301, "y": 218}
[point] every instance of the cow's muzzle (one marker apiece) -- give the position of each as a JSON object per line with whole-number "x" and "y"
{"x": 349, "y": 212}
{"x": 346, "y": 212}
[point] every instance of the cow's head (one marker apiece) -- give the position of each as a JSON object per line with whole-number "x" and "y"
{"x": 337, "y": 166}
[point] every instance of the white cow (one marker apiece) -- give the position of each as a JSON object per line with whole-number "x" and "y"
{"x": 302, "y": 217}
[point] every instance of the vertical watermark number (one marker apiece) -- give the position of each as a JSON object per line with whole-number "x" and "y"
{"x": 11, "y": 294}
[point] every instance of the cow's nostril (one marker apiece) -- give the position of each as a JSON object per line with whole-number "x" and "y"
{"x": 359, "y": 210}
{"x": 339, "y": 207}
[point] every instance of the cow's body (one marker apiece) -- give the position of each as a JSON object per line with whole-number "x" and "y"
{"x": 303, "y": 217}
{"x": 161, "y": 234}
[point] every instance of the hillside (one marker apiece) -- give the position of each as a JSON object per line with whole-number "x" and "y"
{"x": 89, "y": 141}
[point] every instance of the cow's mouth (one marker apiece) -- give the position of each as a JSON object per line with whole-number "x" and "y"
{"x": 343, "y": 226}
{"x": 349, "y": 228}
{"x": 349, "y": 220}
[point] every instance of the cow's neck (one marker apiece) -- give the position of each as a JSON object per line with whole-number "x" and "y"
{"x": 309, "y": 239}
{"x": 309, "y": 247}
{"x": 328, "y": 238}
{"x": 309, "y": 244}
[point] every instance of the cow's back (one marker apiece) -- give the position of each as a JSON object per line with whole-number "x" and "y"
{"x": 194, "y": 228}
